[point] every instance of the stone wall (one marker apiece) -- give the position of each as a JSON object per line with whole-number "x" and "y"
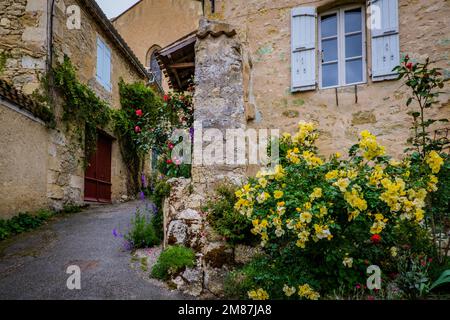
{"x": 264, "y": 29}
{"x": 23, "y": 162}
{"x": 23, "y": 34}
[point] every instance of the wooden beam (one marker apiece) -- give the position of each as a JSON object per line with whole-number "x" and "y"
{"x": 182, "y": 65}
{"x": 174, "y": 71}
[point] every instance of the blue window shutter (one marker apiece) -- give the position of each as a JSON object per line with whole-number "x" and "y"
{"x": 385, "y": 39}
{"x": 303, "y": 49}
{"x": 107, "y": 68}
{"x": 103, "y": 64}
{"x": 100, "y": 61}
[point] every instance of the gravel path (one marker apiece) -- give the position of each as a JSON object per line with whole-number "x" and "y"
{"x": 33, "y": 265}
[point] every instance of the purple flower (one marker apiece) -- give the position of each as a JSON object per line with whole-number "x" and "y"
{"x": 116, "y": 234}
{"x": 144, "y": 180}
{"x": 154, "y": 208}
{"x": 191, "y": 132}
{"x": 127, "y": 245}
{"x": 142, "y": 195}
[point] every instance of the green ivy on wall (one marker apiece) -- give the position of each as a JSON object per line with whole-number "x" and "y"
{"x": 82, "y": 107}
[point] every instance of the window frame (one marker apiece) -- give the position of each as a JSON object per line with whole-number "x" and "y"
{"x": 102, "y": 82}
{"x": 340, "y": 13}
{"x": 152, "y": 53}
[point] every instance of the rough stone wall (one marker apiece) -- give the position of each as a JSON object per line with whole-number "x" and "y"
{"x": 160, "y": 22}
{"x": 23, "y": 36}
{"x": 264, "y": 29}
{"x": 23, "y": 163}
{"x": 186, "y": 224}
{"x": 218, "y": 104}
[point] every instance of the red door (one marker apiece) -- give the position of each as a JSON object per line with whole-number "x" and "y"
{"x": 97, "y": 181}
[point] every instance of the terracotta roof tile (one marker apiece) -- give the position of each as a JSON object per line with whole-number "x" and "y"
{"x": 11, "y": 94}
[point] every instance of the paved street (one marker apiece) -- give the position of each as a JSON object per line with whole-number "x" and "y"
{"x": 33, "y": 265}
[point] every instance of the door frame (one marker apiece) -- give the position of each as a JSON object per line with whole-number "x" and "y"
{"x": 110, "y": 138}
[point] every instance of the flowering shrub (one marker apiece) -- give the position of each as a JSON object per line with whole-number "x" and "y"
{"x": 172, "y": 166}
{"x": 338, "y": 216}
{"x": 226, "y": 220}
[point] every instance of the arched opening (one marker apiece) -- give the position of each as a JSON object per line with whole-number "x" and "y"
{"x": 153, "y": 65}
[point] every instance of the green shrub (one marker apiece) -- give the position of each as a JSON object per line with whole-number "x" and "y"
{"x": 173, "y": 260}
{"x": 22, "y": 223}
{"x": 267, "y": 272}
{"x": 142, "y": 233}
{"x": 157, "y": 191}
{"x": 227, "y": 221}
{"x": 70, "y": 209}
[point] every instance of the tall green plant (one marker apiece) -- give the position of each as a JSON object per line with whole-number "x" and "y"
{"x": 424, "y": 82}
{"x": 142, "y": 233}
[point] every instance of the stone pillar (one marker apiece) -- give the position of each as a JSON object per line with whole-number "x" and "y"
{"x": 218, "y": 99}
{"x": 219, "y": 105}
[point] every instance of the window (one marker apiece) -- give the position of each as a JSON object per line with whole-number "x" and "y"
{"x": 103, "y": 64}
{"x": 155, "y": 68}
{"x": 339, "y": 45}
{"x": 342, "y": 47}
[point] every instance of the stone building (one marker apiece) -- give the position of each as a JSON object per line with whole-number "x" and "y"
{"x": 40, "y": 166}
{"x": 330, "y": 61}
{"x": 151, "y": 25}
{"x": 269, "y": 64}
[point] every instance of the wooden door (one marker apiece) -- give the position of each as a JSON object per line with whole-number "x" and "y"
{"x": 97, "y": 181}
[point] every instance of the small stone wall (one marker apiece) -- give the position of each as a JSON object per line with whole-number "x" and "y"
{"x": 186, "y": 224}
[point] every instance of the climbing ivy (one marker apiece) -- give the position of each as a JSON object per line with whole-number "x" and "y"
{"x": 82, "y": 107}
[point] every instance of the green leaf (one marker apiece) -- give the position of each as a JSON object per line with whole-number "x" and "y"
{"x": 444, "y": 278}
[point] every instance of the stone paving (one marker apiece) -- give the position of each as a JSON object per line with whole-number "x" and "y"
{"x": 33, "y": 265}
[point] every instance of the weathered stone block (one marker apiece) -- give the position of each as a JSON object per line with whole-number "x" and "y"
{"x": 189, "y": 214}
{"x": 55, "y": 192}
{"x": 218, "y": 255}
{"x": 32, "y": 63}
{"x": 34, "y": 34}
{"x": 214, "y": 280}
{"x": 177, "y": 233}
{"x": 363, "y": 117}
{"x": 37, "y": 5}
{"x": 76, "y": 181}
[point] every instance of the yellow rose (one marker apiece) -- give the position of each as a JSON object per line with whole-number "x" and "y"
{"x": 278, "y": 194}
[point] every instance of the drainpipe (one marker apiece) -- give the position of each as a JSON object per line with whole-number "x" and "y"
{"x": 50, "y": 49}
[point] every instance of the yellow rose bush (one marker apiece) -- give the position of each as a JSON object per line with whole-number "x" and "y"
{"x": 322, "y": 222}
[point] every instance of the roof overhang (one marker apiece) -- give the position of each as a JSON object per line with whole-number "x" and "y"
{"x": 177, "y": 61}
